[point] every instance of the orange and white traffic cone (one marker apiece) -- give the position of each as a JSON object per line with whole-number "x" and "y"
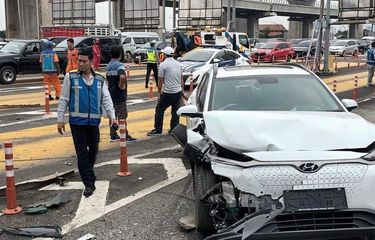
{"x": 191, "y": 82}
{"x": 348, "y": 64}
{"x": 46, "y": 99}
{"x": 336, "y": 66}
{"x": 355, "y": 90}
{"x": 12, "y": 207}
{"x": 124, "y": 167}
{"x": 128, "y": 71}
{"x": 151, "y": 92}
{"x": 334, "y": 86}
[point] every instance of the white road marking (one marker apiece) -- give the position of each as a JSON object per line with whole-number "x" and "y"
{"x": 51, "y": 115}
{"x": 19, "y": 89}
{"x": 67, "y": 186}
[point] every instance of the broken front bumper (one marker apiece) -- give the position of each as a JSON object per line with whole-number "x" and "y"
{"x": 347, "y": 224}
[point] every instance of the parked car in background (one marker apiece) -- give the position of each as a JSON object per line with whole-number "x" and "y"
{"x": 344, "y": 47}
{"x": 255, "y": 173}
{"x": 142, "y": 51}
{"x": 20, "y": 57}
{"x": 363, "y": 45}
{"x": 55, "y": 40}
{"x": 302, "y": 48}
{"x": 200, "y": 60}
{"x": 133, "y": 40}
{"x": 106, "y": 42}
{"x": 273, "y": 51}
{"x": 294, "y": 42}
{"x": 2, "y": 44}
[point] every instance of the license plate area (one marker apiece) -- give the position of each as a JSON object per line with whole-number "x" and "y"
{"x": 315, "y": 200}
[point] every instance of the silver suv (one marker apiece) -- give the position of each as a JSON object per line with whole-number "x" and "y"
{"x": 344, "y": 47}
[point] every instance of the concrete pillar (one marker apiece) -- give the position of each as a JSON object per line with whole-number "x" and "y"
{"x": 295, "y": 29}
{"x": 30, "y": 21}
{"x": 116, "y": 14}
{"x": 253, "y": 26}
{"x": 307, "y": 27}
{"x": 11, "y": 18}
{"x": 355, "y": 31}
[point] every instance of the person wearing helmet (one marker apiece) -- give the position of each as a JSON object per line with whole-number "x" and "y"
{"x": 152, "y": 63}
{"x": 51, "y": 69}
{"x": 170, "y": 91}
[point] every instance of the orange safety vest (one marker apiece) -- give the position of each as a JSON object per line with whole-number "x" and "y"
{"x": 72, "y": 60}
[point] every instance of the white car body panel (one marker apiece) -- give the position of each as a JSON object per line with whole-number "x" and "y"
{"x": 305, "y": 155}
{"x": 274, "y": 131}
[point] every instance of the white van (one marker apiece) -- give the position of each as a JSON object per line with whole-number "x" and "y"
{"x": 133, "y": 40}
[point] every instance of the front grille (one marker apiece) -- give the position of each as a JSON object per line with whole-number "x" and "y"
{"x": 305, "y": 221}
{"x": 260, "y": 54}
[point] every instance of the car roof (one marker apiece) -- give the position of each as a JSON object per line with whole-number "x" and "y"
{"x": 246, "y": 70}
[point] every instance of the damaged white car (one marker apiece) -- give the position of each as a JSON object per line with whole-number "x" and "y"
{"x": 276, "y": 155}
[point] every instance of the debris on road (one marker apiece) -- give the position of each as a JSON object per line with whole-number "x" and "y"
{"x": 140, "y": 178}
{"x": 59, "y": 199}
{"x": 36, "y": 210}
{"x": 87, "y": 237}
{"x": 187, "y": 223}
{"x": 37, "y": 231}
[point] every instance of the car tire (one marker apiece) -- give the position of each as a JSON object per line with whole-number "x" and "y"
{"x": 204, "y": 179}
{"x": 343, "y": 54}
{"x": 179, "y": 134}
{"x": 289, "y": 58}
{"x": 8, "y": 75}
{"x": 128, "y": 57}
{"x": 355, "y": 53}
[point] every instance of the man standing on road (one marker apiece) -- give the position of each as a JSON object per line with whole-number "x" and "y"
{"x": 85, "y": 92}
{"x": 152, "y": 63}
{"x": 170, "y": 91}
{"x": 51, "y": 69}
{"x": 72, "y": 58}
{"x": 97, "y": 54}
{"x": 370, "y": 64}
{"x": 118, "y": 88}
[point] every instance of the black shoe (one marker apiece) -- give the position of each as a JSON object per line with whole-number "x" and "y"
{"x": 51, "y": 98}
{"x": 154, "y": 132}
{"x": 89, "y": 191}
{"x": 169, "y": 131}
{"x": 115, "y": 138}
{"x": 146, "y": 86}
{"x": 57, "y": 98}
{"x": 370, "y": 85}
{"x": 130, "y": 139}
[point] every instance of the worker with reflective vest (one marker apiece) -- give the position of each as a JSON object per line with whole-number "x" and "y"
{"x": 84, "y": 93}
{"x": 152, "y": 63}
{"x": 51, "y": 70}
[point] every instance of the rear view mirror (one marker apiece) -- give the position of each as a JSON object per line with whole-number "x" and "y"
{"x": 189, "y": 111}
{"x": 349, "y": 104}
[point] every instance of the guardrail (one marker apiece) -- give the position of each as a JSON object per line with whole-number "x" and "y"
{"x": 334, "y": 4}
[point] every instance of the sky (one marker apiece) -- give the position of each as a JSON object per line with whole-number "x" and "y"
{"x": 102, "y": 16}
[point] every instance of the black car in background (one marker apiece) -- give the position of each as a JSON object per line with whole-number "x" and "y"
{"x": 363, "y": 45}
{"x": 302, "y": 48}
{"x": 20, "y": 57}
{"x": 106, "y": 42}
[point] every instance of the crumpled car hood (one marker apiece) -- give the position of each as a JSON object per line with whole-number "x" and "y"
{"x": 187, "y": 65}
{"x": 251, "y": 131}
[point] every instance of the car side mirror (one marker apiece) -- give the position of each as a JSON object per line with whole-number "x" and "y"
{"x": 189, "y": 111}
{"x": 349, "y": 104}
{"x": 179, "y": 59}
{"x": 215, "y": 61}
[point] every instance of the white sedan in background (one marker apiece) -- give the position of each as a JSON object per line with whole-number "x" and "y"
{"x": 200, "y": 60}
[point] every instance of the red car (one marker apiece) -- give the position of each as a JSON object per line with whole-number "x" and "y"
{"x": 273, "y": 51}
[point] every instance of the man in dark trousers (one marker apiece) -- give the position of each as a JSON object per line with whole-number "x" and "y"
{"x": 118, "y": 88}
{"x": 152, "y": 63}
{"x": 370, "y": 64}
{"x": 170, "y": 91}
{"x": 85, "y": 92}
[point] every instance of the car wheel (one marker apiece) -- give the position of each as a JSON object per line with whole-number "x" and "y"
{"x": 8, "y": 75}
{"x": 180, "y": 135}
{"x": 289, "y": 58}
{"x": 355, "y": 53}
{"x": 128, "y": 57}
{"x": 343, "y": 54}
{"x": 204, "y": 179}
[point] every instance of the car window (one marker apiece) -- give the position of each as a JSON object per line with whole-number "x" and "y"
{"x": 107, "y": 42}
{"x": 201, "y": 92}
{"x": 127, "y": 40}
{"x": 244, "y": 41}
{"x": 229, "y": 55}
{"x": 33, "y": 48}
{"x": 221, "y": 56}
{"x": 88, "y": 42}
{"x": 198, "y": 56}
{"x": 272, "y": 93}
{"x": 13, "y": 47}
{"x": 140, "y": 40}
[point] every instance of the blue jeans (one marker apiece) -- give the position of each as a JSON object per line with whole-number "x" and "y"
{"x": 86, "y": 143}
{"x": 166, "y": 100}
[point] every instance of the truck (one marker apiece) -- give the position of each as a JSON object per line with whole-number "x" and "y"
{"x": 20, "y": 57}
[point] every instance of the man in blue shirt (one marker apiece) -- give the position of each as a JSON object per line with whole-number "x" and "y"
{"x": 370, "y": 64}
{"x": 117, "y": 85}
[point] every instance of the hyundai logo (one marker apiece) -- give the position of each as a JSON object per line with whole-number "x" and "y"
{"x": 308, "y": 167}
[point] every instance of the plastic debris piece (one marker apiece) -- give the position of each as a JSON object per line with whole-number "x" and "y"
{"x": 59, "y": 199}
{"x": 140, "y": 178}
{"x": 68, "y": 163}
{"x": 37, "y": 231}
{"x": 60, "y": 181}
{"x": 36, "y": 210}
{"x": 87, "y": 237}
